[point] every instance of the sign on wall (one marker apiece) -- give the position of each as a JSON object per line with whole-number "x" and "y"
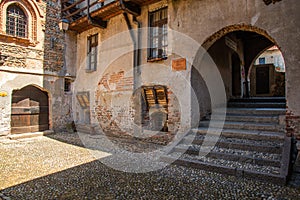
{"x": 179, "y": 64}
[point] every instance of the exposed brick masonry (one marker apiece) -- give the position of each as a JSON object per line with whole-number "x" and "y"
{"x": 292, "y": 124}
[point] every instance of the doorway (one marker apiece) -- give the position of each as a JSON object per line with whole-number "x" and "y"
{"x": 30, "y": 110}
{"x": 236, "y": 75}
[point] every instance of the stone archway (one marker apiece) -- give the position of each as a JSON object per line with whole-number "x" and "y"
{"x": 30, "y": 110}
{"x": 239, "y": 43}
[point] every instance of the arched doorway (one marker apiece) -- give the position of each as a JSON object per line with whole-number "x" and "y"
{"x": 30, "y": 110}
{"x": 267, "y": 74}
{"x": 235, "y": 50}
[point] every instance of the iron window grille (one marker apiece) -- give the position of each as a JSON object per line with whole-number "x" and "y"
{"x": 16, "y": 22}
{"x": 158, "y": 34}
{"x": 92, "y": 49}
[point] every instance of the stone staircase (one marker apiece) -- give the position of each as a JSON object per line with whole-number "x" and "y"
{"x": 252, "y": 143}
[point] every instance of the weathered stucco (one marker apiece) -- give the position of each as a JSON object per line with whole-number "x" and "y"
{"x": 46, "y": 59}
{"x": 203, "y": 21}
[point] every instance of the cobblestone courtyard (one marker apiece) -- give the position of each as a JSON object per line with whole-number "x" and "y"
{"x": 59, "y": 167}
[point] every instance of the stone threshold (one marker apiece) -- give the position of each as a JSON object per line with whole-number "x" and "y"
{"x": 29, "y": 135}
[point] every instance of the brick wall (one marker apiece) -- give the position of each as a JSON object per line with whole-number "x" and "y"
{"x": 117, "y": 109}
{"x": 114, "y": 116}
{"x": 173, "y": 113}
{"x": 292, "y": 124}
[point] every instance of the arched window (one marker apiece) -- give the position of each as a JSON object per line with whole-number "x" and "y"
{"x": 16, "y": 21}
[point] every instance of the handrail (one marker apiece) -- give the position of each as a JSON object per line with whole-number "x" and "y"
{"x": 72, "y": 5}
{"x": 80, "y": 10}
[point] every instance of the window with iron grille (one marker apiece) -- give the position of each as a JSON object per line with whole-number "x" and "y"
{"x": 158, "y": 34}
{"x": 16, "y": 21}
{"x": 92, "y": 53}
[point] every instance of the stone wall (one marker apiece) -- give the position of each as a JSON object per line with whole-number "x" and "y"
{"x": 21, "y": 57}
{"x": 36, "y": 60}
{"x": 54, "y": 45}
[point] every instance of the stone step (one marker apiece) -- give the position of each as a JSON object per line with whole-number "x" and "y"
{"x": 242, "y": 156}
{"x": 244, "y": 125}
{"x": 242, "y": 134}
{"x": 85, "y": 128}
{"x": 249, "y": 118}
{"x": 255, "y": 111}
{"x": 250, "y": 143}
{"x": 259, "y": 99}
{"x": 256, "y": 105}
{"x": 236, "y": 162}
{"x": 274, "y": 147}
{"x": 247, "y": 170}
{"x": 29, "y": 135}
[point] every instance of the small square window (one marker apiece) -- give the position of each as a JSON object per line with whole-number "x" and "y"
{"x": 262, "y": 61}
{"x": 67, "y": 87}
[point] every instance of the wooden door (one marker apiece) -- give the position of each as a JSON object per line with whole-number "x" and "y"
{"x": 30, "y": 110}
{"x": 262, "y": 80}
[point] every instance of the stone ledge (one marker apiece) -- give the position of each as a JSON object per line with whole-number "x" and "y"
{"x": 29, "y": 135}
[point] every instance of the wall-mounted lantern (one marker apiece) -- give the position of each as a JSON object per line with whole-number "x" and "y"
{"x": 64, "y": 25}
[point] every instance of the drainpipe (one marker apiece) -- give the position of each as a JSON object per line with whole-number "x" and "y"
{"x": 136, "y": 43}
{"x": 136, "y": 62}
{"x": 138, "y": 52}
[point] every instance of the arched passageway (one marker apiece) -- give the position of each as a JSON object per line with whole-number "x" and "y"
{"x": 30, "y": 110}
{"x": 267, "y": 74}
{"x": 236, "y": 52}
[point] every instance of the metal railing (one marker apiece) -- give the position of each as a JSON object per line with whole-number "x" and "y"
{"x": 75, "y": 9}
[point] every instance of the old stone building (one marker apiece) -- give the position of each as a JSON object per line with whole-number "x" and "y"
{"x": 32, "y": 68}
{"x": 153, "y": 70}
{"x": 142, "y": 67}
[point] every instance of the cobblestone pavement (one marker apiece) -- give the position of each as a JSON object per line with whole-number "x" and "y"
{"x": 59, "y": 167}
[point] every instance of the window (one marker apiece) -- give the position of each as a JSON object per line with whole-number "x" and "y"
{"x": 155, "y": 112}
{"x": 83, "y": 99}
{"x": 84, "y": 102}
{"x": 16, "y": 22}
{"x": 92, "y": 53}
{"x": 155, "y": 96}
{"x": 262, "y": 61}
{"x": 67, "y": 87}
{"x": 158, "y": 37}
